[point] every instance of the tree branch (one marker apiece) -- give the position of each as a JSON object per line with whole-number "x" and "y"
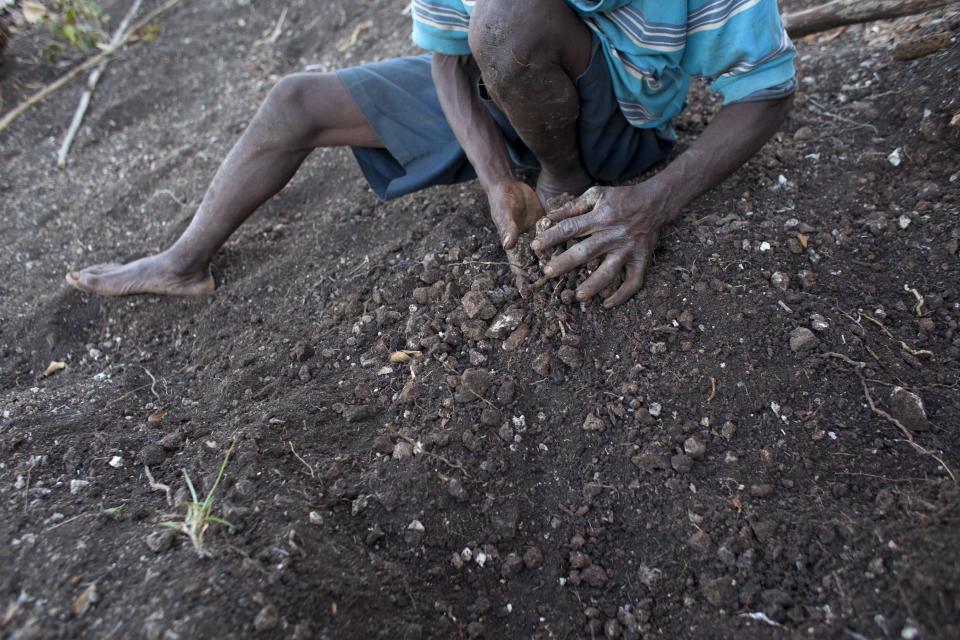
{"x": 840, "y": 13}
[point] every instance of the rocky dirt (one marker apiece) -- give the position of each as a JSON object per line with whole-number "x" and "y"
{"x": 703, "y": 462}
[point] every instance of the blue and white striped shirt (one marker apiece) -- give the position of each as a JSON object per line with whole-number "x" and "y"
{"x": 654, "y": 48}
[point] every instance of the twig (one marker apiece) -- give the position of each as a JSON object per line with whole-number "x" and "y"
{"x": 90, "y": 63}
{"x": 920, "y": 301}
{"x": 91, "y": 85}
{"x": 157, "y": 486}
{"x": 153, "y": 383}
{"x": 907, "y": 436}
{"x": 713, "y": 389}
{"x": 453, "y": 465}
{"x": 275, "y": 34}
{"x": 840, "y": 13}
{"x": 305, "y": 463}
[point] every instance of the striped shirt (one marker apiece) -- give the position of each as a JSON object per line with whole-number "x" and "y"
{"x": 654, "y": 48}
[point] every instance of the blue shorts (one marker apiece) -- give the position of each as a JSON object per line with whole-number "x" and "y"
{"x": 399, "y": 100}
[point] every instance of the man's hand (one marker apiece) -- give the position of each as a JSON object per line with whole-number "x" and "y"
{"x": 623, "y": 224}
{"x": 515, "y": 208}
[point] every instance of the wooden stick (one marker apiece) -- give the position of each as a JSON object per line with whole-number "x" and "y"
{"x": 91, "y": 85}
{"x": 840, "y": 13}
{"x": 90, "y": 63}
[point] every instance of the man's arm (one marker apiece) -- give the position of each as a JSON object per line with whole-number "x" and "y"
{"x": 513, "y": 205}
{"x": 624, "y": 223}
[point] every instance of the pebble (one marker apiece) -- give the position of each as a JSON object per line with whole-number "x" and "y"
{"x": 594, "y": 575}
{"x": 728, "y": 430}
{"x": 512, "y": 565}
{"x": 533, "y": 558}
{"x": 654, "y": 409}
{"x": 681, "y": 463}
{"x": 78, "y": 486}
{"x": 160, "y": 541}
{"x": 473, "y": 385}
{"x": 505, "y": 323}
{"x": 478, "y": 305}
{"x": 541, "y": 364}
{"x": 807, "y": 279}
{"x": 700, "y": 542}
{"x": 301, "y": 352}
{"x": 516, "y": 339}
{"x": 908, "y": 408}
{"x": 593, "y": 423}
{"x": 402, "y": 450}
{"x": 719, "y": 592}
{"x": 383, "y": 444}
{"x": 266, "y": 619}
{"x": 780, "y": 280}
{"x": 153, "y": 455}
{"x": 802, "y": 339}
{"x": 570, "y": 356}
{"x": 819, "y": 323}
{"x": 358, "y": 413}
{"x": 658, "y": 348}
{"x": 456, "y": 489}
{"x": 763, "y": 490}
{"x": 695, "y": 447}
{"x": 172, "y": 441}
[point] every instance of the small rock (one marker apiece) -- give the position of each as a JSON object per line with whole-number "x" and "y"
{"x": 266, "y": 619}
{"x": 512, "y": 565}
{"x": 359, "y": 413}
{"x": 409, "y": 392}
{"x": 807, "y": 279}
{"x": 903, "y": 222}
{"x": 728, "y": 430}
{"x": 694, "y": 447}
{"x": 473, "y": 385}
{"x": 594, "y": 575}
{"x": 802, "y": 339}
{"x": 478, "y": 305}
{"x": 780, "y": 280}
{"x": 153, "y": 455}
{"x": 654, "y": 456}
{"x": 414, "y": 532}
{"x": 78, "y": 486}
{"x": 315, "y": 518}
{"x": 681, "y": 463}
{"x": 383, "y": 444}
{"x": 301, "y": 352}
{"x": 570, "y": 356}
{"x": 172, "y": 441}
{"x": 761, "y": 490}
{"x": 593, "y": 423}
{"x": 700, "y": 542}
{"x": 654, "y": 409}
{"x": 456, "y": 489}
{"x": 541, "y": 364}
{"x": 505, "y": 323}
{"x": 533, "y": 558}
{"x": 515, "y": 340}
{"x": 907, "y": 407}
{"x": 720, "y": 592}
{"x": 819, "y": 323}
{"x": 658, "y": 348}
{"x": 160, "y": 541}
{"x": 402, "y": 450}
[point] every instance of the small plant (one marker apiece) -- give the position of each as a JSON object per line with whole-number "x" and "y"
{"x": 75, "y": 24}
{"x": 197, "y": 519}
{"x": 114, "y": 512}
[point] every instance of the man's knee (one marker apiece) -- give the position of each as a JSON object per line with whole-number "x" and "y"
{"x": 296, "y": 103}
{"x": 512, "y": 40}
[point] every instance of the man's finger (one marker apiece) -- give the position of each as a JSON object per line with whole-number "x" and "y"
{"x": 578, "y": 207}
{"x": 508, "y": 230}
{"x": 567, "y": 229}
{"x": 577, "y": 255}
{"x": 602, "y": 277}
{"x": 635, "y": 273}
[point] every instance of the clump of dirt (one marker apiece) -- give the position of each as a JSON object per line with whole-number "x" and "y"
{"x": 701, "y": 462}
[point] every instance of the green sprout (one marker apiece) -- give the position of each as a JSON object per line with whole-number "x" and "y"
{"x": 197, "y": 518}
{"x": 114, "y": 512}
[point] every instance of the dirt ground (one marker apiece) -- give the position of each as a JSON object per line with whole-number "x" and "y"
{"x": 703, "y": 462}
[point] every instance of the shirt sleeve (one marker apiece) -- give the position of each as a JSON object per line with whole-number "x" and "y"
{"x": 741, "y": 49}
{"x": 441, "y": 26}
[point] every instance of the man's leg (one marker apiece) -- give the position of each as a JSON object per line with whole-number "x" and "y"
{"x": 304, "y": 111}
{"x": 530, "y": 54}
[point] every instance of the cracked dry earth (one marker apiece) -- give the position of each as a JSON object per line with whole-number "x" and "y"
{"x": 702, "y": 462}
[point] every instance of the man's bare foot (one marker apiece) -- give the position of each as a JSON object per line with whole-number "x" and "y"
{"x": 153, "y": 274}
{"x": 551, "y": 188}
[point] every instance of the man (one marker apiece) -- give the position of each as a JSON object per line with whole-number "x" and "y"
{"x": 583, "y": 90}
